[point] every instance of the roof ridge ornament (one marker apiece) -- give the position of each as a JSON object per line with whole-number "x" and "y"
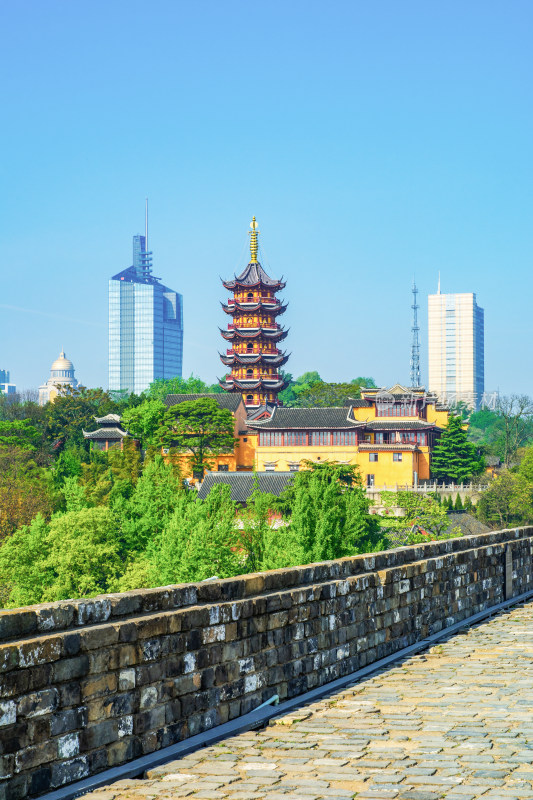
{"x": 253, "y": 241}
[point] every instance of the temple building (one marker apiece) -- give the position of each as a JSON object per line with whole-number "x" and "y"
{"x": 109, "y": 436}
{"x": 254, "y": 334}
{"x": 61, "y": 379}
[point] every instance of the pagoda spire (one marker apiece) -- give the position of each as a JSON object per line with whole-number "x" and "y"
{"x": 254, "y": 244}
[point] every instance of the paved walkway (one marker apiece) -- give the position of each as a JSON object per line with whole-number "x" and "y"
{"x": 455, "y": 722}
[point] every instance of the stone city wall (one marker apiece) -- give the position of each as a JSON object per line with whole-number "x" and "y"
{"x": 90, "y": 684}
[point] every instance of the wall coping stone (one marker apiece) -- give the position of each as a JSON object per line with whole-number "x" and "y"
{"x": 65, "y": 615}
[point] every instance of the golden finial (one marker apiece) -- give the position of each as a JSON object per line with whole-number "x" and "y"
{"x": 253, "y": 240}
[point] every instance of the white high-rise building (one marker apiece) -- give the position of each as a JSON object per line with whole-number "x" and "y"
{"x": 456, "y": 358}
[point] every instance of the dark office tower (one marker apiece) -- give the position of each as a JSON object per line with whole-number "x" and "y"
{"x": 145, "y": 324}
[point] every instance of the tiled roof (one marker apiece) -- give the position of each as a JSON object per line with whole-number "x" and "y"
{"x": 105, "y": 433}
{"x": 109, "y": 418}
{"x": 254, "y": 273}
{"x": 229, "y": 401}
{"x": 307, "y": 418}
{"x": 400, "y": 425}
{"x": 243, "y": 483}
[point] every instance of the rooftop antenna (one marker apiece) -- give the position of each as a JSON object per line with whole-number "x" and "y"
{"x": 146, "y": 227}
{"x": 415, "y": 343}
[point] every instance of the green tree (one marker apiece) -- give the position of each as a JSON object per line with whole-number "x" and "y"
{"x": 201, "y": 428}
{"x": 458, "y": 505}
{"x": 516, "y": 413}
{"x": 24, "y": 569}
{"x": 330, "y": 518}
{"x": 200, "y": 541}
{"x": 21, "y": 434}
{"x": 454, "y": 458}
{"x": 526, "y": 465}
{"x": 83, "y": 553}
{"x": 160, "y": 388}
{"x": 508, "y": 501}
{"x": 419, "y": 513}
{"x": 146, "y": 513}
{"x": 25, "y": 488}
{"x": 73, "y": 411}
{"x": 146, "y": 422}
{"x": 266, "y": 545}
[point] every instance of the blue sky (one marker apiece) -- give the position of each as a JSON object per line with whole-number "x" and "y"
{"x": 372, "y": 141}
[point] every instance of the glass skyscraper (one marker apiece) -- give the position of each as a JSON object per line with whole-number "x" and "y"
{"x": 456, "y": 348}
{"x": 145, "y": 325}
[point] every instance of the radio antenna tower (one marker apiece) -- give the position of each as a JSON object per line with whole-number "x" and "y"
{"x": 415, "y": 343}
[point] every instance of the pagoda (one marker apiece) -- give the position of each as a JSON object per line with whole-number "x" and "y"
{"x": 254, "y": 334}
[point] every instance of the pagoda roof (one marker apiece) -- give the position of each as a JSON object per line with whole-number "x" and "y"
{"x": 105, "y": 433}
{"x": 245, "y": 385}
{"x": 109, "y": 419}
{"x": 253, "y": 275}
{"x": 254, "y": 333}
{"x": 271, "y": 308}
{"x": 230, "y": 402}
{"x": 271, "y": 359}
{"x": 330, "y": 418}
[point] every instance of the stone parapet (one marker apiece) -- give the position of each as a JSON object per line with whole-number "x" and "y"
{"x": 90, "y": 684}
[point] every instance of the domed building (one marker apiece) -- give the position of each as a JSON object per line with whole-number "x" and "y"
{"x": 61, "y": 375}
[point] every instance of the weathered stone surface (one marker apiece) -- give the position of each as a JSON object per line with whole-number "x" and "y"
{"x": 154, "y": 666}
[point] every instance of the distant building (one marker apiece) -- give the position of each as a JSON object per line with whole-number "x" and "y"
{"x": 109, "y": 436}
{"x": 145, "y": 325}
{"x": 254, "y": 334}
{"x": 5, "y": 386}
{"x": 456, "y": 357}
{"x": 61, "y": 375}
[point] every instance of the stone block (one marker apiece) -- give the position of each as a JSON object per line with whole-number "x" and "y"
{"x": 99, "y": 733}
{"x": 69, "y": 720}
{"x": 98, "y": 637}
{"x": 70, "y": 668}
{"x": 40, "y": 651}
{"x": 69, "y": 771}
{"x": 8, "y": 712}
{"x": 41, "y": 780}
{"x": 98, "y": 686}
{"x": 35, "y": 755}
{"x": 149, "y": 720}
{"x": 126, "y": 679}
{"x": 68, "y": 745}
{"x": 38, "y": 703}
{"x": 17, "y": 623}
{"x": 70, "y": 694}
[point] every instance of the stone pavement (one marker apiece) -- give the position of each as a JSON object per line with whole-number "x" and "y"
{"x": 454, "y": 722}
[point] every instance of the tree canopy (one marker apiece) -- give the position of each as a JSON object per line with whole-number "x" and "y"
{"x": 454, "y": 458}
{"x": 201, "y": 428}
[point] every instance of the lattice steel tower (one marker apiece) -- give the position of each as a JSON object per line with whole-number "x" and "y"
{"x": 415, "y": 342}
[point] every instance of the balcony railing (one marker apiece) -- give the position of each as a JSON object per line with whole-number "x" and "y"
{"x": 233, "y": 352}
{"x": 253, "y": 301}
{"x": 268, "y": 326}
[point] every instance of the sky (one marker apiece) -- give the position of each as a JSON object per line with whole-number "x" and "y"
{"x": 374, "y": 142}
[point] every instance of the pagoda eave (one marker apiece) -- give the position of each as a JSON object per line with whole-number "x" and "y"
{"x": 244, "y": 360}
{"x": 235, "y": 284}
{"x": 243, "y": 308}
{"x": 248, "y": 386}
